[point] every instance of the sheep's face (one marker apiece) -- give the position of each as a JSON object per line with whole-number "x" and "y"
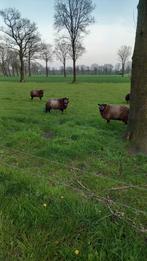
{"x": 66, "y": 101}
{"x": 102, "y": 107}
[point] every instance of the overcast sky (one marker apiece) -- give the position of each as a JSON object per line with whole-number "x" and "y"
{"x": 115, "y": 25}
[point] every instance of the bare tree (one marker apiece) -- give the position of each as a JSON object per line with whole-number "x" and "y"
{"x": 124, "y": 53}
{"x": 13, "y": 64}
{"x": 137, "y": 127}
{"x": 37, "y": 68}
{"x": 33, "y": 48}
{"x": 46, "y": 54}
{"x": 20, "y": 32}
{"x": 107, "y": 68}
{"x": 8, "y": 60}
{"x": 62, "y": 52}
{"x": 79, "y": 50}
{"x": 3, "y": 58}
{"x": 74, "y": 16}
{"x": 117, "y": 68}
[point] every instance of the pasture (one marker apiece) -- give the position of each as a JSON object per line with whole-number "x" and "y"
{"x": 69, "y": 189}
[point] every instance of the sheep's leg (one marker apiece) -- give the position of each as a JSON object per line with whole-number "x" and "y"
{"x": 47, "y": 109}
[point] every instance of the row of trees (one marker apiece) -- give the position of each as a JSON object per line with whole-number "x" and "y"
{"x": 36, "y": 51}
{"x": 10, "y": 64}
{"x": 22, "y": 38}
{"x": 22, "y": 43}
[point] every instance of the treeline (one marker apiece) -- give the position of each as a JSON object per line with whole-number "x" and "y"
{"x": 10, "y": 65}
{"x": 22, "y": 51}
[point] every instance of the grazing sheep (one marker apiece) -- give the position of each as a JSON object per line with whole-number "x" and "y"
{"x": 127, "y": 97}
{"x": 114, "y": 112}
{"x": 57, "y": 104}
{"x": 36, "y": 93}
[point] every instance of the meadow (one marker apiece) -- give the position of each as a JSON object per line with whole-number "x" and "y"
{"x": 69, "y": 188}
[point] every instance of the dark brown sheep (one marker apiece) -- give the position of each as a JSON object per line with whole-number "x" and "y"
{"x": 127, "y": 97}
{"x": 36, "y": 93}
{"x": 114, "y": 112}
{"x": 57, "y": 104}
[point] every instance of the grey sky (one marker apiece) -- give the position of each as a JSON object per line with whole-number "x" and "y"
{"x": 115, "y": 25}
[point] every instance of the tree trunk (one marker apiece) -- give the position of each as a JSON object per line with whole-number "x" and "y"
{"x": 64, "y": 66}
{"x": 137, "y": 127}
{"x": 21, "y": 67}
{"x": 123, "y": 70}
{"x": 17, "y": 69}
{"x": 8, "y": 68}
{"x": 74, "y": 61}
{"x": 74, "y": 71}
{"x": 4, "y": 70}
{"x": 29, "y": 66}
{"x": 46, "y": 67}
{"x": 13, "y": 70}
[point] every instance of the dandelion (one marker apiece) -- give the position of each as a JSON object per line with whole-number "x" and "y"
{"x": 77, "y": 252}
{"x": 45, "y": 205}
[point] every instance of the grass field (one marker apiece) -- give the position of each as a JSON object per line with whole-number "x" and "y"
{"x": 69, "y": 189}
{"x": 68, "y": 79}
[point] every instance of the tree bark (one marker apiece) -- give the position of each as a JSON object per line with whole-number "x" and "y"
{"x": 46, "y": 67}
{"x": 74, "y": 61}
{"x": 9, "y": 72}
{"x": 64, "y": 66}
{"x": 4, "y": 70}
{"x": 74, "y": 71}
{"x": 21, "y": 67}
{"x": 29, "y": 66}
{"x": 137, "y": 127}
{"x": 13, "y": 70}
{"x": 17, "y": 70}
{"x": 123, "y": 70}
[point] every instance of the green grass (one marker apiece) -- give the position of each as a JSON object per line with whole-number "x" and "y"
{"x": 71, "y": 162}
{"x": 80, "y": 79}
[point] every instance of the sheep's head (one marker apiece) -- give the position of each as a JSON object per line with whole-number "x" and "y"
{"x": 102, "y": 107}
{"x": 66, "y": 100}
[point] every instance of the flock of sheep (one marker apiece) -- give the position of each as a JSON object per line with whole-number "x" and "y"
{"x": 107, "y": 111}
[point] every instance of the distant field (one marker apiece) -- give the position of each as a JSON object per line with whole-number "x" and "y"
{"x": 67, "y": 182}
{"x": 80, "y": 78}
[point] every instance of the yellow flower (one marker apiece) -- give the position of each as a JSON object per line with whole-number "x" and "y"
{"x": 45, "y": 205}
{"x": 62, "y": 197}
{"x": 77, "y": 252}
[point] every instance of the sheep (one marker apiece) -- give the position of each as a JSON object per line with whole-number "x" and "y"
{"x": 114, "y": 112}
{"x": 36, "y": 93}
{"x": 57, "y": 104}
